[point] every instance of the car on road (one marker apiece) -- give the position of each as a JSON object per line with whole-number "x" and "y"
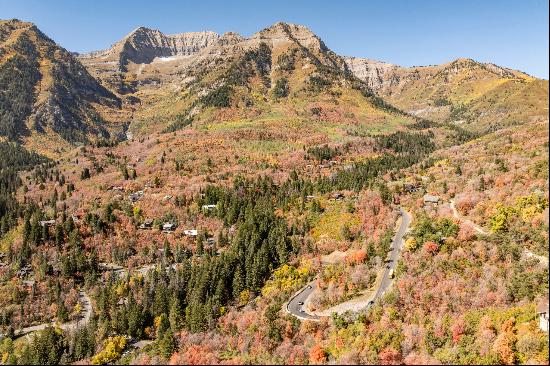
{"x": 388, "y": 266}
{"x": 300, "y": 303}
{"x": 309, "y": 287}
{"x": 370, "y": 303}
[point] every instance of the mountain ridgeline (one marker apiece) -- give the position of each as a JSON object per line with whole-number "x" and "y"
{"x": 150, "y": 81}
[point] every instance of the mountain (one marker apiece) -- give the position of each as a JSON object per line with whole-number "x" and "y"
{"x": 46, "y": 91}
{"x": 143, "y": 45}
{"x": 478, "y": 96}
{"x": 272, "y": 72}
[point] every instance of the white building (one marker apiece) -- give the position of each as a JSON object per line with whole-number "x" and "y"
{"x": 542, "y": 311}
{"x": 190, "y": 232}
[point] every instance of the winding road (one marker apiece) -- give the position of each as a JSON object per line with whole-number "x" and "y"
{"x": 528, "y": 253}
{"x": 84, "y": 318}
{"x": 295, "y": 306}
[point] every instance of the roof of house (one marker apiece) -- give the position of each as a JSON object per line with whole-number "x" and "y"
{"x": 430, "y": 198}
{"x": 542, "y": 306}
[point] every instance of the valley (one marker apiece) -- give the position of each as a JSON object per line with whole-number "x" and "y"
{"x": 199, "y": 198}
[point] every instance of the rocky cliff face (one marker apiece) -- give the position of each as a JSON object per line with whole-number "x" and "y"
{"x": 143, "y": 45}
{"x": 376, "y": 74}
{"x": 482, "y": 96}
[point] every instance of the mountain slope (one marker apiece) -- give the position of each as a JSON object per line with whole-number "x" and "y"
{"x": 284, "y": 71}
{"x": 45, "y": 89}
{"x": 481, "y": 96}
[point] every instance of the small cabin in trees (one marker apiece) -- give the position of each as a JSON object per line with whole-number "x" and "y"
{"x": 410, "y": 187}
{"x": 542, "y": 311}
{"x": 208, "y": 207}
{"x": 47, "y": 223}
{"x": 430, "y": 200}
{"x": 337, "y": 196}
{"x": 24, "y": 271}
{"x": 136, "y": 196}
{"x": 190, "y": 232}
{"x": 146, "y": 225}
{"x": 168, "y": 227}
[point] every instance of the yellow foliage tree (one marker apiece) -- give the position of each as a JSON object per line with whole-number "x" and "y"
{"x": 112, "y": 350}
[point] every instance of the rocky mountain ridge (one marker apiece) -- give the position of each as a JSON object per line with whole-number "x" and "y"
{"x": 45, "y": 88}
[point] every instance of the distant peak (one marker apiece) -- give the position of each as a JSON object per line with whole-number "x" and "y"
{"x": 288, "y": 30}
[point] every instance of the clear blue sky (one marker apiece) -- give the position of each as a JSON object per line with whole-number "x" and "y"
{"x": 509, "y": 33}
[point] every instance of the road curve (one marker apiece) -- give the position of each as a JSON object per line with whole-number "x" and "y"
{"x": 84, "y": 318}
{"x": 295, "y": 305}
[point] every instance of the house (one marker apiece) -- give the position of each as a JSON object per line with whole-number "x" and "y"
{"x": 191, "y": 232}
{"x": 168, "y": 227}
{"x": 136, "y": 196}
{"x": 167, "y": 197}
{"x": 542, "y": 311}
{"x": 210, "y": 241}
{"x": 47, "y": 223}
{"x": 29, "y": 283}
{"x": 208, "y": 207}
{"x": 146, "y": 225}
{"x": 431, "y": 200}
{"x": 24, "y": 271}
{"x": 411, "y": 187}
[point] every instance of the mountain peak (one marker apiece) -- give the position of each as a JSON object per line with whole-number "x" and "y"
{"x": 285, "y": 30}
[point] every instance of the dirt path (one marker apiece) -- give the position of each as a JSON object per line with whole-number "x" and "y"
{"x": 527, "y": 252}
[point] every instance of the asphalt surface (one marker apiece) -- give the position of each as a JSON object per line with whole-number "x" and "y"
{"x": 397, "y": 246}
{"x": 83, "y": 320}
{"x": 295, "y": 308}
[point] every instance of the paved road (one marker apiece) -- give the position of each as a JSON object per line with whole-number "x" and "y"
{"x": 397, "y": 246}
{"x": 83, "y": 320}
{"x": 294, "y": 307}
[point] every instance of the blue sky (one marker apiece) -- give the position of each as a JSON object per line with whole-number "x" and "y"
{"x": 509, "y": 33}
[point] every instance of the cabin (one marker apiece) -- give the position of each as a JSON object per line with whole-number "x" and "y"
{"x": 410, "y": 187}
{"x": 210, "y": 241}
{"x": 47, "y": 223}
{"x": 167, "y": 197}
{"x": 168, "y": 227}
{"x": 136, "y": 196}
{"x": 542, "y": 311}
{"x": 337, "y": 196}
{"x": 208, "y": 207}
{"x": 24, "y": 271}
{"x": 431, "y": 200}
{"x": 29, "y": 283}
{"x": 310, "y": 198}
{"x": 190, "y": 232}
{"x": 146, "y": 225}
